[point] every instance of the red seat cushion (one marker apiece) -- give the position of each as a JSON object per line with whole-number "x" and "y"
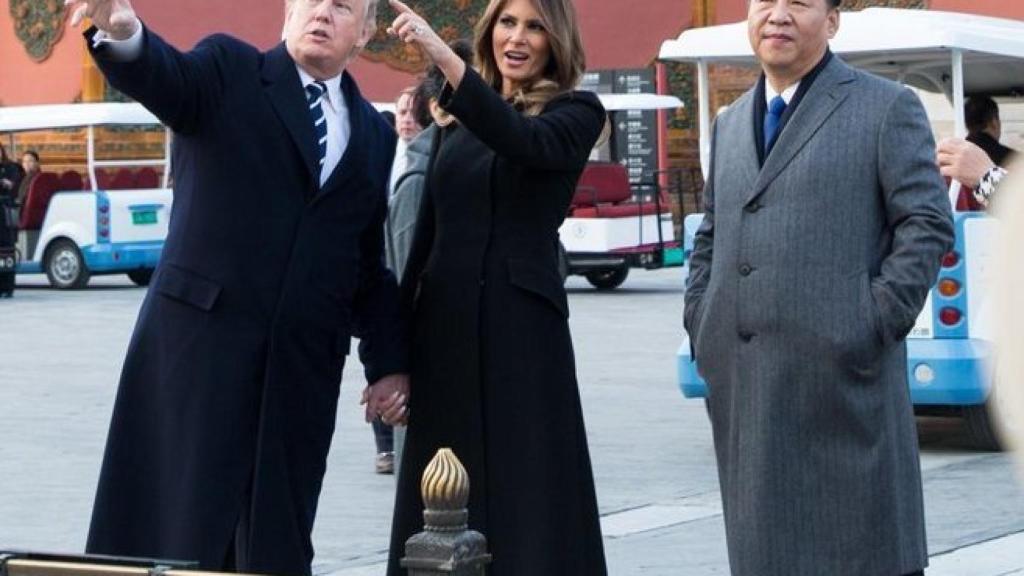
{"x": 70, "y": 180}
{"x": 602, "y": 182}
{"x": 38, "y": 200}
{"x": 147, "y": 178}
{"x": 123, "y": 180}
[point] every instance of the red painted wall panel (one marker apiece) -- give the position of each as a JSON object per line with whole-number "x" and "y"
{"x": 57, "y": 80}
{"x": 1000, "y": 8}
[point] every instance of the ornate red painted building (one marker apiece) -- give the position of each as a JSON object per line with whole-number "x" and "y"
{"x": 42, "y": 60}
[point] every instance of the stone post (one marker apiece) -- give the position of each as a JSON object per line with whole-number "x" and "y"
{"x": 446, "y": 547}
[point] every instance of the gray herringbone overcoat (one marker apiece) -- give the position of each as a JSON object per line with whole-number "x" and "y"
{"x": 806, "y": 276}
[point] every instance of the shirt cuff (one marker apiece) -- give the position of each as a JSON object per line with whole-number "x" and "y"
{"x": 120, "y": 50}
{"x": 987, "y": 187}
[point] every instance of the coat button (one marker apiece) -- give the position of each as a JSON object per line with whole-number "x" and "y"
{"x": 746, "y": 336}
{"x": 746, "y": 269}
{"x": 752, "y": 208}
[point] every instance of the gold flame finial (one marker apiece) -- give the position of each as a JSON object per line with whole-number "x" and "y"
{"x": 445, "y": 484}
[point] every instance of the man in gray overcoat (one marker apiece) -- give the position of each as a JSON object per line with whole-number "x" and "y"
{"x": 825, "y": 222}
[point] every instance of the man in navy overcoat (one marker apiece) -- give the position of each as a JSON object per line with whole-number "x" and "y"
{"x": 274, "y": 259}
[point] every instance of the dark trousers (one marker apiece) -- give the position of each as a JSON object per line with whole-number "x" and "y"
{"x": 384, "y": 436}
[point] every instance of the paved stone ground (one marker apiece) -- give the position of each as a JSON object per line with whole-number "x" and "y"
{"x": 61, "y": 352}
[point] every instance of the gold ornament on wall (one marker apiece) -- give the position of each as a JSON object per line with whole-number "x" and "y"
{"x": 451, "y": 19}
{"x": 39, "y": 25}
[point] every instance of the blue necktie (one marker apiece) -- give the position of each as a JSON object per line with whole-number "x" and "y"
{"x": 314, "y": 94}
{"x": 772, "y": 118}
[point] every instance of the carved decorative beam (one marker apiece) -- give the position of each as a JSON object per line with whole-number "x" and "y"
{"x": 38, "y": 24}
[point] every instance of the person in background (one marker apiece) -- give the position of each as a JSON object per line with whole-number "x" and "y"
{"x": 979, "y": 160}
{"x": 493, "y": 373}
{"x": 985, "y": 128}
{"x": 405, "y": 123}
{"x": 824, "y": 225}
{"x": 405, "y": 201}
{"x": 11, "y": 175}
{"x": 407, "y": 128}
{"x": 32, "y": 166}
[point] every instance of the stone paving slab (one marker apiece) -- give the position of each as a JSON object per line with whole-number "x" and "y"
{"x": 61, "y": 352}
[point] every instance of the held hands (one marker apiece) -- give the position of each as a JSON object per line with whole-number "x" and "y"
{"x": 388, "y": 398}
{"x": 963, "y": 161}
{"x": 115, "y": 17}
{"x": 411, "y": 28}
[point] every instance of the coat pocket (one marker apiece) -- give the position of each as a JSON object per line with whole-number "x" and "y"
{"x": 187, "y": 287}
{"x": 539, "y": 280}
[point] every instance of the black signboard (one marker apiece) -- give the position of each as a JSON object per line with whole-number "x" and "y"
{"x": 635, "y": 132}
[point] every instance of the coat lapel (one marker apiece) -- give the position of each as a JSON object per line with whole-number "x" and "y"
{"x": 828, "y": 92}
{"x": 747, "y": 162}
{"x": 353, "y": 161}
{"x": 284, "y": 90}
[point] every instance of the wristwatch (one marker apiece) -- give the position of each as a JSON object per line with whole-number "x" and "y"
{"x": 987, "y": 186}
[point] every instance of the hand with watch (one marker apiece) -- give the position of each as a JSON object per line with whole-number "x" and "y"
{"x": 970, "y": 165}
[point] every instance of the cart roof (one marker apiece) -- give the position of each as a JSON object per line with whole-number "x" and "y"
{"x": 45, "y": 117}
{"x": 612, "y": 102}
{"x": 911, "y": 46}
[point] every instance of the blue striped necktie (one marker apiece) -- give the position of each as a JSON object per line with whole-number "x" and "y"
{"x": 772, "y": 118}
{"x": 314, "y": 96}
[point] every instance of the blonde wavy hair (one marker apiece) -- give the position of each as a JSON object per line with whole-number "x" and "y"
{"x": 565, "y": 66}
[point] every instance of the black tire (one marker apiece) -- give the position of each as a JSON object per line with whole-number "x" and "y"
{"x": 981, "y": 428}
{"x": 65, "y": 267}
{"x": 989, "y": 424}
{"x": 563, "y": 262}
{"x": 608, "y": 278}
{"x": 141, "y": 277}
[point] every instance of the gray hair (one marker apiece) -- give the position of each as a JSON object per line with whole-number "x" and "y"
{"x": 370, "y": 17}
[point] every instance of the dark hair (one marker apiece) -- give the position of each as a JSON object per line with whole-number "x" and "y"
{"x": 979, "y": 112}
{"x": 31, "y": 153}
{"x": 3, "y": 153}
{"x": 432, "y": 84}
{"x": 389, "y": 117}
{"x": 835, "y": 3}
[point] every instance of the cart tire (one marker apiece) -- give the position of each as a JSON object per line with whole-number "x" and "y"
{"x": 141, "y": 277}
{"x": 563, "y": 262}
{"x": 981, "y": 428}
{"x": 609, "y": 278}
{"x": 65, "y": 267}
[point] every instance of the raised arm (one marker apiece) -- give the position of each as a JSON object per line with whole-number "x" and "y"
{"x": 558, "y": 139}
{"x": 179, "y": 88}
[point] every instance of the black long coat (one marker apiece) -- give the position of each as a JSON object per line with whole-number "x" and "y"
{"x": 226, "y": 404}
{"x": 493, "y": 372}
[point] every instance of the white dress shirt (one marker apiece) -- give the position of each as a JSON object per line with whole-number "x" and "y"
{"x": 339, "y": 128}
{"x": 399, "y": 165}
{"x": 787, "y": 94}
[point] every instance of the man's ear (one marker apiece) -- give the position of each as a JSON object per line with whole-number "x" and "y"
{"x": 369, "y": 30}
{"x": 833, "y": 23}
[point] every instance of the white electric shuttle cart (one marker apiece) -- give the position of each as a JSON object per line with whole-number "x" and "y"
{"x": 71, "y": 227}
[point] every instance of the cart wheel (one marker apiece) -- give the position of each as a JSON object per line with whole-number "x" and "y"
{"x": 563, "y": 262}
{"x": 141, "y": 277}
{"x": 987, "y": 423}
{"x": 65, "y": 267}
{"x": 609, "y": 278}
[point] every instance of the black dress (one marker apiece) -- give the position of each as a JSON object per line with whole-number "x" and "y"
{"x": 493, "y": 372}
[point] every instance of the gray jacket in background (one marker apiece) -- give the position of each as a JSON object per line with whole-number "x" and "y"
{"x": 404, "y": 203}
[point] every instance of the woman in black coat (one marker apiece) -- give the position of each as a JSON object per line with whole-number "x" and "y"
{"x": 493, "y": 374}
